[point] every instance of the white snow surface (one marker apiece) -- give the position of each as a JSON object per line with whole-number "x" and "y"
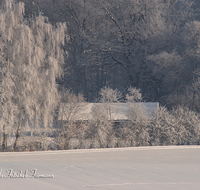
{"x": 152, "y": 168}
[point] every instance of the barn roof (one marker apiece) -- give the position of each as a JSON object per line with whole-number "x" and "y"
{"x": 114, "y": 111}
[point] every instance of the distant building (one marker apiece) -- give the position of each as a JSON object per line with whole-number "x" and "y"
{"x": 113, "y": 111}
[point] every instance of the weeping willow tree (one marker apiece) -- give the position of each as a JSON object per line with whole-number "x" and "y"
{"x": 31, "y": 60}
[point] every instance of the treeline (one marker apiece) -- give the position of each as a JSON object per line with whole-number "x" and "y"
{"x": 86, "y": 45}
{"x": 180, "y": 126}
{"x": 150, "y": 45}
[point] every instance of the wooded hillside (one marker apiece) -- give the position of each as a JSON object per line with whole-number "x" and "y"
{"x": 151, "y": 45}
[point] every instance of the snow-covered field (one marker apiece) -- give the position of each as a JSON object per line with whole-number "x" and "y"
{"x": 169, "y": 167}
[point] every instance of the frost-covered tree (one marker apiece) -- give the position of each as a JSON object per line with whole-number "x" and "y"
{"x": 136, "y": 129}
{"x": 101, "y": 126}
{"x": 133, "y": 95}
{"x": 70, "y": 109}
{"x": 32, "y": 60}
{"x": 176, "y": 127}
{"x": 108, "y": 96}
{"x": 162, "y": 130}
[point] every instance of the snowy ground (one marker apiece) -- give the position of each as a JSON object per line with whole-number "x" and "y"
{"x": 138, "y": 168}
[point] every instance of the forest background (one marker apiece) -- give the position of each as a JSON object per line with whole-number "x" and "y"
{"x": 71, "y": 51}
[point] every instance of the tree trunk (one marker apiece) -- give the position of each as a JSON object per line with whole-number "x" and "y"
{"x": 66, "y": 140}
{"x": 18, "y": 130}
{"x": 5, "y": 134}
{"x": 5, "y": 137}
{"x": 1, "y": 140}
{"x": 66, "y": 145}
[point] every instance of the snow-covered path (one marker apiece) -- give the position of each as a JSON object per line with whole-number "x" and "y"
{"x": 138, "y": 168}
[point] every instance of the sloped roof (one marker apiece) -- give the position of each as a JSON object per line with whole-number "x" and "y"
{"x": 114, "y": 111}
